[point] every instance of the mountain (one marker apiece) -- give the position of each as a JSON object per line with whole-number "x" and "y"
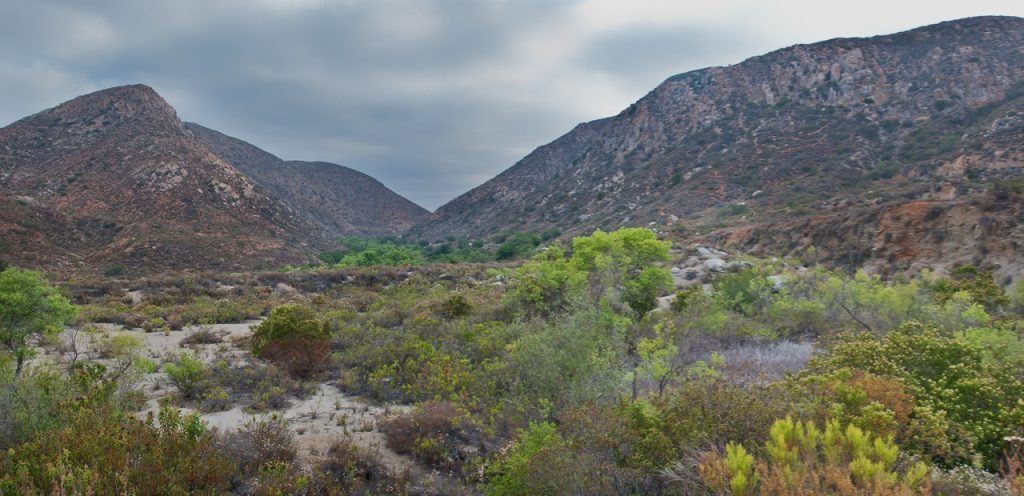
{"x": 114, "y": 181}
{"x": 851, "y": 149}
{"x": 337, "y": 200}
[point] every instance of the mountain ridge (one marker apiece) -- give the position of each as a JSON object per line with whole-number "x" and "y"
{"x": 113, "y": 180}
{"x": 339, "y": 200}
{"x": 771, "y": 138}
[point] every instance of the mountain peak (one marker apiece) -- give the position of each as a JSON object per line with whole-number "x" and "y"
{"x": 111, "y": 105}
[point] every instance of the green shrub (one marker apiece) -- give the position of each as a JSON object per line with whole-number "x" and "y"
{"x": 531, "y": 464}
{"x": 732, "y": 210}
{"x": 115, "y": 271}
{"x": 883, "y": 170}
{"x": 641, "y": 292}
{"x": 978, "y": 284}
{"x": 838, "y": 460}
{"x": 456, "y": 306}
{"x": 742, "y": 292}
{"x": 92, "y": 445}
{"x": 190, "y": 374}
{"x": 294, "y": 339}
{"x": 952, "y": 376}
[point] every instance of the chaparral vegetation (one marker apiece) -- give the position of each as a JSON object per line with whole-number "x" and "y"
{"x": 613, "y": 363}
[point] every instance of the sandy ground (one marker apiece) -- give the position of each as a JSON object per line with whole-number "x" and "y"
{"x": 317, "y": 421}
{"x": 323, "y": 418}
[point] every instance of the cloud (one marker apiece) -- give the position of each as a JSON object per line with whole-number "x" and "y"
{"x": 432, "y": 97}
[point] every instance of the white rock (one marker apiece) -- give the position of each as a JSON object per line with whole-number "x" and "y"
{"x": 714, "y": 264}
{"x": 738, "y": 266}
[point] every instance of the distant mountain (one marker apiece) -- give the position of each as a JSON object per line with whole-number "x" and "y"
{"x": 835, "y": 145}
{"x": 114, "y": 179}
{"x": 337, "y": 200}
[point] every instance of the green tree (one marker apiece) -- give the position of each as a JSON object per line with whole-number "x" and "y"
{"x": 30, "y": 310}
{"x": 980, "y": 285}
{"x": 517, "y": 245}
{"x": 641, "y": 292}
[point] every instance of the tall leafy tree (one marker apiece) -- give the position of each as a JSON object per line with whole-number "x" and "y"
{"x": 30, "y": 309}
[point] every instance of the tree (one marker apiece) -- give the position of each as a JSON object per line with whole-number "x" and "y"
{"x": 641, "y": 292}
{"x": 30, "y": 309}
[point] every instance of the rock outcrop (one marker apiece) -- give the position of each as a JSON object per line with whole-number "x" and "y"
{"x": 811, "y": 141}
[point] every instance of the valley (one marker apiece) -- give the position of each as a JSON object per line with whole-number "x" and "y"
{"x": 801, "y": 274}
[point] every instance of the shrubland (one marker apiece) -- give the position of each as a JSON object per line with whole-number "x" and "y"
{"x": 570, "y": 372}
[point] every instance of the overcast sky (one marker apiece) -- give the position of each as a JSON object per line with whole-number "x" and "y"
{"x": 430, "y": 97}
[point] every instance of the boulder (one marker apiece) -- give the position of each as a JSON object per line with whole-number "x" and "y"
{"x": 714, "y": 264}
{"x": 737, "y": 266}
{"x": 778, "y": 282}
{"x": 709, "y": 253}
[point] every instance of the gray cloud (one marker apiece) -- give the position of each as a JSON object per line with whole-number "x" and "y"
{"x": 431, "y": 97}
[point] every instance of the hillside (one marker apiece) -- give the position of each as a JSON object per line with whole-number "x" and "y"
{"x": 820, "y": 145}
{"x": 337, "y": 200}
{"x": 114, "y": 181}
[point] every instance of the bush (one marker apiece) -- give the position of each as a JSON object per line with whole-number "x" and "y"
{"x": 92, "y": 445}
{"x": 978, "y": 284}
{"x": 456, "y": 306}
{"x": 532, "y": 465}
{"x": 190, "y": 374}
{"x": 261, "y": 442}
{"x": 883, "y": 170}
{"x": 701, "y": 411}
{"x": 204, "y": 335}
{"x": 952, "y": 376}
{"x": 433, "y": 434}
{"x": 358, "y": 471}
{"x": 732, "y": 210}
{"x": 838, "y": 460}
{"x": 294, "y": 339}
{"x": 742, "y": 292}
{"x": 641, "y": 292}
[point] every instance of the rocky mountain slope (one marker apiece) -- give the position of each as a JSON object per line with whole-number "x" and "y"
{"x": 831, "y": 145}
{"x": 337, "y": 200}
{"x": 114, "y": 181}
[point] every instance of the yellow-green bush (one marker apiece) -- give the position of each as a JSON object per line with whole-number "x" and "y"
{"x": 801, "y": 459}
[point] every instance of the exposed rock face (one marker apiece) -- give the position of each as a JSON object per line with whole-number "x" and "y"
{"x": 337, "y": 200}
{"x": 797, "y": 132}
{"x": 114, "y": 178}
